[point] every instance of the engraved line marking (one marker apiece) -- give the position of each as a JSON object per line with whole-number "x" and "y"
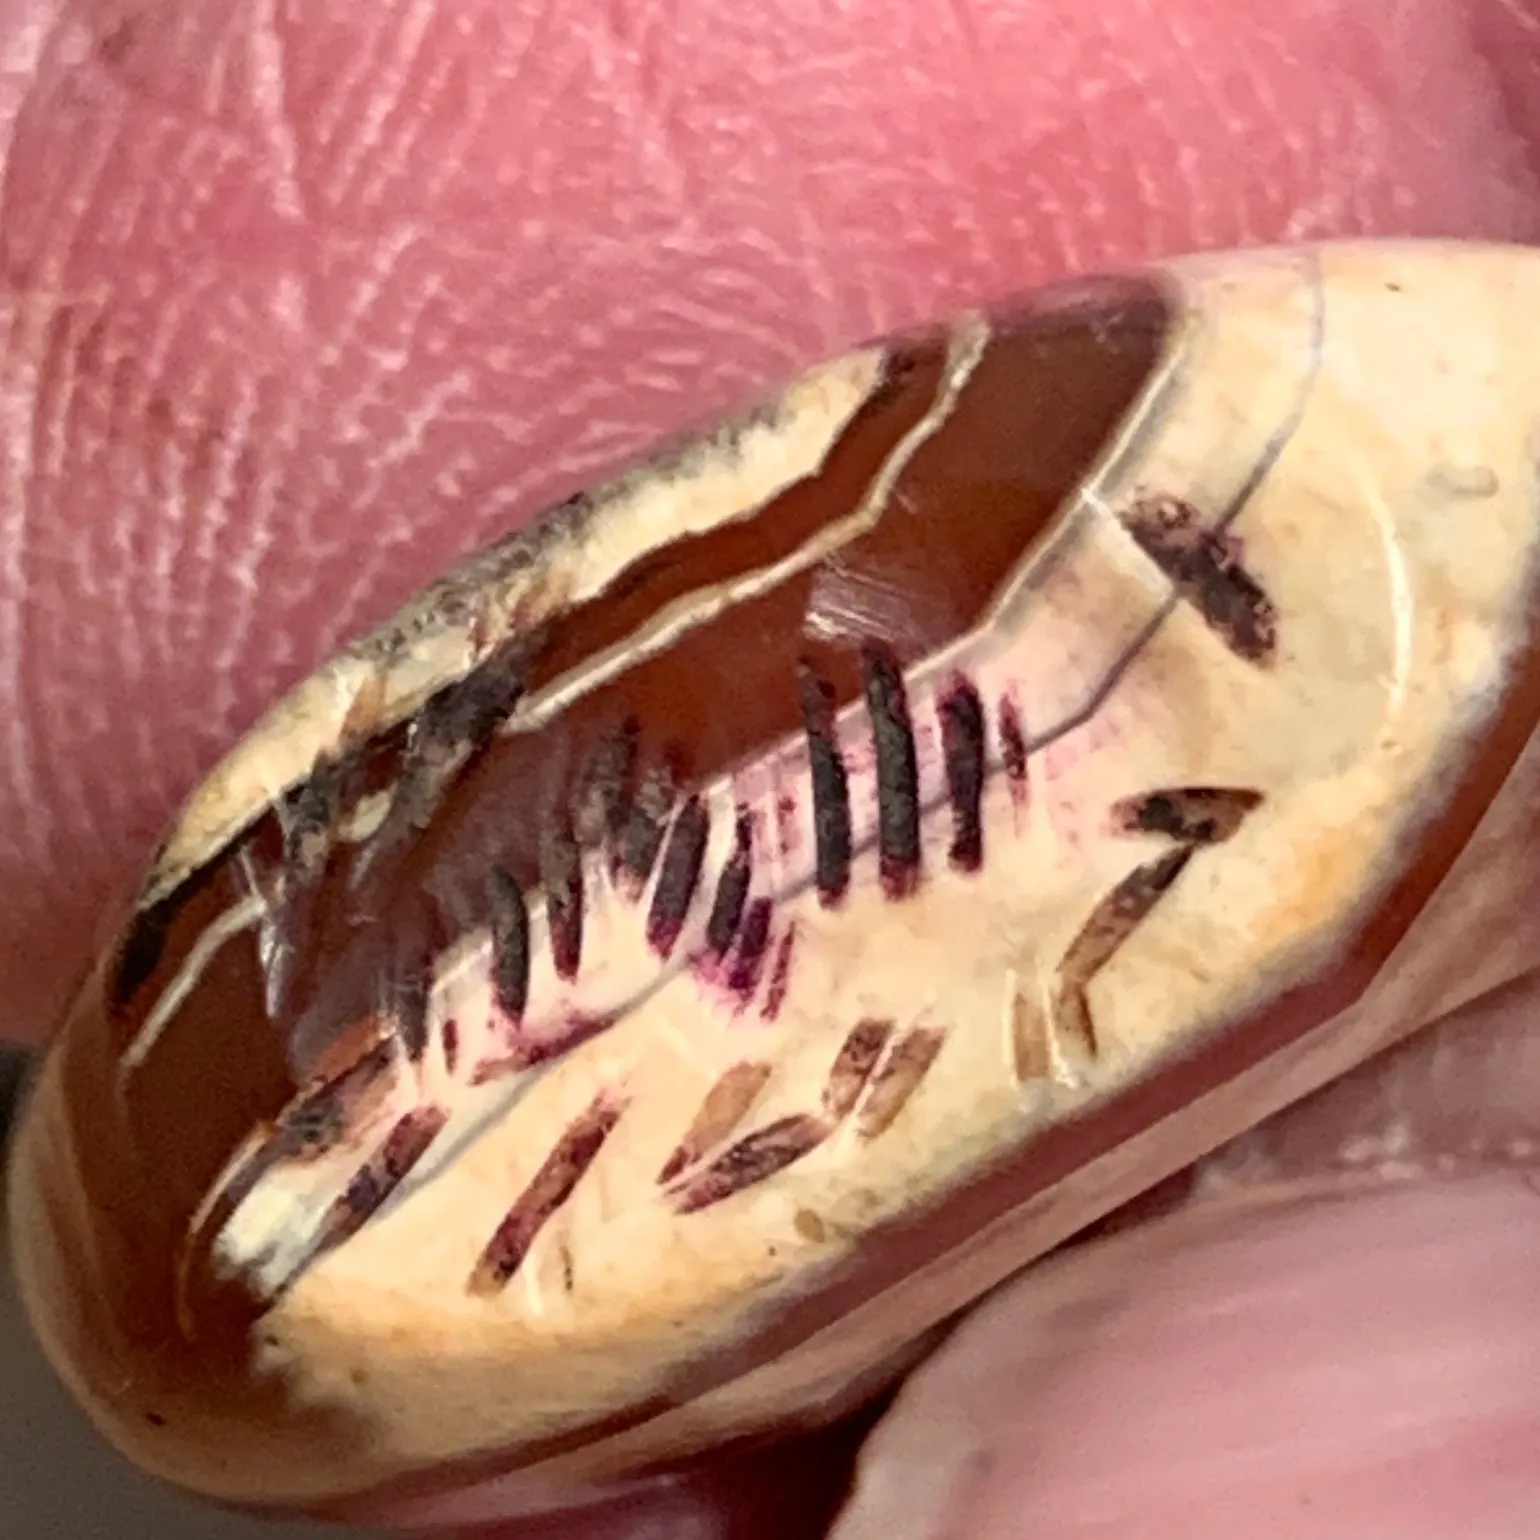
{"x": 679, "y": 876}
{"x": 725, "y": 1106}
{"x": 853, "y": 1066}
{"x": 1402, "y": 601}
{"x": 561, "y": 879}
{"x": 1032, "y": 577}
{"x": 898, "y": 772}
{"x": 609, "y": 785}
{"x": 406, "y": 991}
{"x": 510, "y": 944}
{"x": 548, "y": 1190}
{"x": 965, "y": 347}
{"x": 897, "y": 1078}
{"x": 645, "y": 823}
{"x": 335, "y": 1107}
{"x": 407, "y": 1001}
{"x": 1013, "y": 748}
{"x": 830, "y": 789}
{"x": 1116, "y": 916}
{"x": 249, "y": 912}
{"x": 779, "y": 1144}
{"x": 749, "y": 960}
{"x": 453, "y": 727}
{"x": 962, "y": 749}
{"x": 1204, "y": 567}
{"x": 780, "y": 973}
{"x": 577, "y": 1029}
{"x": 371, "y": 1186}
{"x": 1027, "y": 1033}
{"x": 1193, "y": 815}
{"x": 1196, "y": 815}
{"x": 732, "y": 887}
{"x": 753, "y": 1158}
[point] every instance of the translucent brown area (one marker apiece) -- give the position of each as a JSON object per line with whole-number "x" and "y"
{"x": 1042, "y": 403}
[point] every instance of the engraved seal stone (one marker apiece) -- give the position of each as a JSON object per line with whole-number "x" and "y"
{"x": 717, "y": 933}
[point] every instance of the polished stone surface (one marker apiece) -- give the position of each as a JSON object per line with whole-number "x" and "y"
{"x": 58, "y": 1481}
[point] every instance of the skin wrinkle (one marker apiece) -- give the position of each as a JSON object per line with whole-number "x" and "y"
{"x": 821, "y": 176}
{"x": 271, "y": 97}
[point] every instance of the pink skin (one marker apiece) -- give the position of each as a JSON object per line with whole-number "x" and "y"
{"x": 299, "y": 311}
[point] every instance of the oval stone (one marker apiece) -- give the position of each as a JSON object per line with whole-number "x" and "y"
{"x": 634, "y": 998}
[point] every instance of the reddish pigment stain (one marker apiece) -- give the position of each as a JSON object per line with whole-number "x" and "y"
{"x": 788, "y": 836}
{"x": 524, "y": 1052}
{"x": 780, "y": 974}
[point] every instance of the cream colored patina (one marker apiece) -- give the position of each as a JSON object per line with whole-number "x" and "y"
{"x": 1366, "y": 409}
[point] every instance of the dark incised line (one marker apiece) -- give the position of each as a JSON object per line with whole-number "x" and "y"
{"x": 142, "y": 947}
{"x": 732, "y": 887}
{"x": 521, "y": 1054}
{"x": 962, "y": 749}
{"x": 548, "y": 1190}
{"x": 308, "y": 818}
{"x": 853, "y": 1066}
{"x": 373, "y": 1183}
{"x": 324, "y": 1115}
{"x": 561, "y": 877}
{"x": 1192, "y": 815}
{"x": 749, "y": 960}
{"x": 1203, "y": 566}
{"x": 897, "y": 1078}
{"x": 830, "y": 789}
{"x": 780, "y": 973}
{"x": 898, "y": 772}
{"x": 452, "y": 728}
{"x": 679, "y": 876}
{"x": 1116, "y": 916}
{"x": 610, "y": 785}
{"x": 510, "y": 944}
{"x": 329, "y": 1111}
{"x": 410, "y": 989}
{"x": 643, "y": 836}
{"x": 722, "y": 1109}
{"x": 752, "y": 1159}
